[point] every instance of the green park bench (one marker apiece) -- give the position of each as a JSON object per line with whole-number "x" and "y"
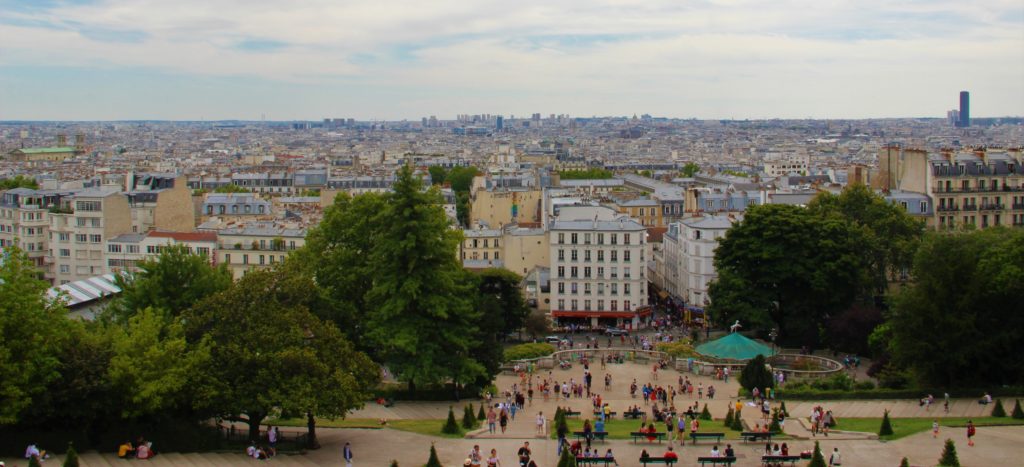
{"x": 634, "y": 415}
{"x": 718, "y": 436}
{"x": 595, "y": 460}
{"x": 658, "y": 460}
{"x": 716, "y": 460}
{"x": 773, "y": 460}
{"x": 637, "y": 435}
{"x": 601, "y": 435}
{"x": 756, "y": 435}
{"x": 597, "y": 413}
{"x": 570, "y": 413}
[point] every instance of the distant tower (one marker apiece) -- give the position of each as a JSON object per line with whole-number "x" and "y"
{"x": 965, "y": 110}
{"x": 499, "y": 123}
{"x": 62, "y": 140}
{"x": 80, "y": 142}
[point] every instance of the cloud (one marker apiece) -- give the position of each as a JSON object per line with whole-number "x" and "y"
{"x": 695, "y": 58}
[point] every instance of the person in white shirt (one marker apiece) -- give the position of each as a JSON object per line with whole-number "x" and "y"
{"x": 715, "y": 453}
{"x": 252, "y": 452}
{"x": 835, "y": 459}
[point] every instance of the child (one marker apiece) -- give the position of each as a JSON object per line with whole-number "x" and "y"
{"x": 935, "y": 429}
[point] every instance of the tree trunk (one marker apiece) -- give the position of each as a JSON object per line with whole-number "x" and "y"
{"x": 255, "y": 420}
{"x": 412, "y": 389}
{"x": 311, "y": 441}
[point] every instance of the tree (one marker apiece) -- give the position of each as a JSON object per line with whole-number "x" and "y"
{"x": 905, "y": 462}
{"x": 689, "y": 170}
{"x": 536, "y": 324}
{"x": 468, "y": 419}
{"x": 230, "y": 188}
{"x": 433, "y": 461}
{"x": 817, "y": 459}
{"x": 782, "y": 265}
{"x": 782, "y": 409}
{"x": 728, "y": 418}
{"x": 566, "y": 459}
{"x": 421, "y": 315}
{"x": 173, "y": 282}
{"x": 705, "y": 414}
{"x": 886, "y": 428}
{"x": 756, "y": 375}
{"x": 71, "y": 457}
{"x": 595, "y": 173}
{"x": 949, "y": 457}
{"x": 438, "y": 174}
{"x": 998, "y": 410}
{"x": 499, "y": 300}
{"x": 461, "y": 178}
{"x": 775, "y": 427}
{"x": 737, "y": 423}
{"x": 1017, "y": 412}
{"x": 481, "y": 415}
{"x": 268, "y": 351}
{"x": 450, "y": 426}
{"x": 18, "y": 181}
{"x": 34, "y": 330}
{"x": 962, "y": 297}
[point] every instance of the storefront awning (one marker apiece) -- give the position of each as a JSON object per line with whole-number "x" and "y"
{"x": 592, "y": 314}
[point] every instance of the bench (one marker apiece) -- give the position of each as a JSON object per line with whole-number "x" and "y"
{"x": 770, "y": 460}
{"x": 639, "y": 434}
{"x": 594, "y": 460}
{"x": 634, "y": 415}
{"x": 601, "y": 435}
{"x": 717, "y": 436}
{"x": 570, "y": 413}
{"x": 598, "y": 413}
{"x": 756, "y": 435}
{"x": 716, "y": 460}
{"x": 658, "y": 460}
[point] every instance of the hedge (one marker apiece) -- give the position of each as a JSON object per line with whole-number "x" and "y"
{"x": 525, "y": 351}
{"x": 873, "y": 394}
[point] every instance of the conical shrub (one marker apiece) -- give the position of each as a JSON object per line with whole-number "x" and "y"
{"x": 998, "y": 410}
{"x": 775, "y": 427}
{"x": 737, "y": 423}
{"x": 904, "y": 462}
{"x": 705, "y": 414}
{"x": 450, "y": 426}
{"x": 71, "y": 457}
{"x": 468, "y": 419}
{"x": 481, "y": 415}
{"x": 394, "y": 463}
{"x": 1017, "y": 412}
{"x": 782, "y": 407}
{"x": 817, "y": 459}
{"x": 949, "y": 458}
{"x": 886, "y": 428}
{"x": 433, "y": 461}
{"x": 567, "y": 459}
{"x": 728, "y": 418}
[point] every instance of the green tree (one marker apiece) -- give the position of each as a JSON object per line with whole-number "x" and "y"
{"x": 782, "y": 265}
{"x": 775, "y": 427}
{"x": 33, "y": 330}
{"x": 998, "y": 410}
{"x": 422, "y": 317}
{"x": 905, "y": 462}
{"x": 592, "y": 173}
{"x": 438, "y": 174}
{"x": 949, "y": 457}
{"x": 433, "y": 460}
{"x": 268, "y": 351}
{"x": 173, "y": 282}
{"x": 728, "y": 418}
{"x": 962, "y": 297}
{"x": 705, "y": 414}
{"x": 71, "y": 457}
{"x": 886, "y": 428}
{"x": 468, "y": 419}
{"x": 817, "y": 459}
{"x": 566, "y": 459}
{"x": 536, "y": 324}
{"x": 461, "y": 178}
{"x": 18, "y": 181}
{"x": 481, "y": 415}
{"x": 230, "y": 188}
{"x": 1017, "y": 412}
{"x": 499, "y": 300}
{"x": 756, "y": 375}
{"x": 737, "y": 423}
{"x": 450, "y": 426}
{"x": 689, "y": 170}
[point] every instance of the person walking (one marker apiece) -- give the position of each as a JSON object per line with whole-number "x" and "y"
{"x": 835, "y": 460}
{"x": 346, "y": 453}
{"x": 970, "y": 433}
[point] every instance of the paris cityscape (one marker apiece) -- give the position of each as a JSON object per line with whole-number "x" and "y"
{"x": 444, "y": 234}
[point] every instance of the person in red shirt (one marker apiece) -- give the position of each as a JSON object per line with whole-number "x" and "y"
{"x": 670, "y": 454}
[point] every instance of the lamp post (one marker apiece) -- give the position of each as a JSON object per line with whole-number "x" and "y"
{"x": 773, "y": 334}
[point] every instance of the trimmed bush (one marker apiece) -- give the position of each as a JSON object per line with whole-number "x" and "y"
{"x": 775, "y": 427}
{"x": 433, "y": 461}
{"x": 567, "y": 459}
{"x": 525, "y": 351}
{"x": 904, "y": 462}
{"x": 394, "y": 463}
{"x": 1017, "y": 412}
{"x": 450, "y": 426}
{"x": 802, "y": 392}
{"x": 998, "y": 410}
{"x": 71, "y": 457}
{"x": 817, "y": 459}
{"x": 886, "y": 428}
{"x": 705, "y": 414}
{"x": 34, "y": 462}
{"x": 468, "y": 419}
{"x": 949, "y": 457}
{"x": 728, "y": 418}
{"x": 756, "y": 375}
{"x": 737, "y": 423}
{"x": 782, "y": 409}
{"x": 481, "y": 415}
{"x": 677, "y": 349}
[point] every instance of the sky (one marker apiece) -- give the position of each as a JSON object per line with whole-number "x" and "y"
{"x": 393, "y": 60}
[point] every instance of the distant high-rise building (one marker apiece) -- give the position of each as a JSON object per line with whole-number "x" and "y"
{"x": 965, "y": 110}
{"x": 499, "y": 123}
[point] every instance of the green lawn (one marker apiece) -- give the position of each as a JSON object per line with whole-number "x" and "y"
{"x": 430, "y": 427}
{"x": 620, "y": 429}
{"x": 903, "y": 427}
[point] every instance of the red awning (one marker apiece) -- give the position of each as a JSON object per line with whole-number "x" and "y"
{"x": 592, "y": 314}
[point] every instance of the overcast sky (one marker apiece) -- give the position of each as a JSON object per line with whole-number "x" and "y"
{"x": 381, "y": 59}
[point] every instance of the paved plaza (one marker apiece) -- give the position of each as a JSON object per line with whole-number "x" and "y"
{"x": 996, "y": 446}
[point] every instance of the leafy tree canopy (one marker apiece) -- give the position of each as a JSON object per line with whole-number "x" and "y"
{"x": 230, "y": 188}
{"x": 592, "y": 173}
{"x": 172, "y": 282}
{"x": 18, "y": 181}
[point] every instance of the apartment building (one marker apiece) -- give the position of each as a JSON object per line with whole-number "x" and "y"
{"x": 235, "y": 206}
{"x": 525, "y": 249}
{"x": 161, "y": 202}
{"x": 481, "y": 248}
{"x": 78, "y": 230}
{"x": 598, "y": 268}
{"x": 258, "y": 245}
{"x": 125, "y": 252}
{"x": 688, "y": 250}
{"x": 644, "y": 210}
{"x": 24, "y": 220}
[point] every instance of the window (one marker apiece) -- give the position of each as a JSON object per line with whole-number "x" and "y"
{"x": 924, "y": 206}
{"x": 65, "y": 269}
{"x": 95, "y": 222}
{"x": 88, "y": 206}
{"x": 262, "y": 260}
{"x": 573, "y": 288}
{"x": 574, "y": 271}
{"x": 625, "y": 289}
{"x": 64, "y": 237}
{"x": 496, "y": 255}
{"x": 615, "y": 305}
{"x": 574, "y": 238}
{"x": 561, "y": 304}
{"x": 574, "y": 255}
{"x": 486, "y": 241}
{"x": 245, "y": 259}
{"x": 600, "y": 239}
{"x": 95, "y": 238}
{"x": 615, "y": 239}
{"x": 227, "y": 258}
{"x": 561, "y": 255}
{"x": 561, "y": 238}
{"x": 625, "y": 272}
{"x": 586, "y": 255}
{"x": 586, "y": 304}
{"x": 81, "y": 221}
{"x": 586, "y": 238}
{"x": 496, "y": 243}
{"x": 625, "y": 255}
{"x": 586, "y": 288}
{"x": 615, "y": 272}
{"x": 586, "y": 273}
{"x": 113, "y": 248}
{"x": 600, "y": 272}
{"x": 600, "y": 304}
{"x": 561, "y": 271}
{"x": 561, "y": 287}
{"x": 600, "y": 288}
{"x": 600, "y": 255}
{"x": 485, "y": 255}
{"x": 65, "y": 253}
{"x": 81, "y": 238}
{"x": 625, "y": 239}
{"x": 615, "y": 256}
{"x": 615, "y": 288}
{"x": 625, "y": 305}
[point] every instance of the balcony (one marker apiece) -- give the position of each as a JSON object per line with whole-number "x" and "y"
{"x": 1018, "y": 205}
{"x": 948, "y": 208}
{"x": 992, "y": 207}
{"x": 970, "y": 207}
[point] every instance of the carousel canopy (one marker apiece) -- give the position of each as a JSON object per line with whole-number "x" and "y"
{"x": 734, "y": 346}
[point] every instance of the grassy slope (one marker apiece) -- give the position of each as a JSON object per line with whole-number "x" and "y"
{"x": 903, "y": 427}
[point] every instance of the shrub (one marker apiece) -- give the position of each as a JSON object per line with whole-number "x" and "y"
{"x": 433, "y": 461}
{"x": 728, "y": 418}
{"x": 864, "y": 386}
{"x": 34, "y": 462}
{"x": 756, "y": 375}
{"x": 775, "y": 427}
{"x": 71, "y": 457}
{"x": 394, "y": 463}
{"x": 481, "y": 415}
{"x": 805, "y": 364}
{"x": 1017, "y": 412}
{"x": 450, "y": 427}
{"x": 817, "y": 459}
{"x": 525, "y": 351}
{"x": 705, "y": 414}
{"x": 904, "y": 462}
{"x": 998, "y": 410}
{"x": 839, "y": 381}
{"x": 567, "y": 459}
{"x": 949, "y": 458}
{"x": 737, "y": 423}
{"x": 886, "y": 428}
{"x": 782, "y": 409}
{"x": 677, "y": 349}
{"x": 468, "y": 419}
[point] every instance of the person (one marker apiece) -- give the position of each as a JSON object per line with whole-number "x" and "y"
{"x": 491, "y": 419}
{"x": 670, "y": 454}
{"x": 785, "y": 449}
{"x": 273, "y": 434}
{"x": 346, "y": 453}
{"x": 33, "y": 451}
{"x": 986, "y": 399}
{"x": 714, "y": 452}
{"x": 475, "y": 458}
{"x": 125, "y": 450}
{"x": 776, "y": 450}
{"x": 144, "y": 451}
{"x": 729, "y": 452}
{"x": 599, "y": 426}
{"x": 540, "y": 423}
{"x": 970, "y": 433}
{"x": 503, "y": 419}
{"x": 492, "y": 460}
{"x": 588, "y": 432}
{"x": 935, "y": 429}
{"x": 524, "y": 454}
{"x": 945, "y": 404}
{"x": 835, "y": 459}
{"x": 251, "y": 451}
{"x": 668, "y": 427}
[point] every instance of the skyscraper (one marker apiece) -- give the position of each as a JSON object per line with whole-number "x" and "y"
{"x": 499, "y": 123}
{"x": 965, "y": 110}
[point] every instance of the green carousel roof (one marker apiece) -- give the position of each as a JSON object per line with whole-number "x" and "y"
{"x": 734, "y": 346}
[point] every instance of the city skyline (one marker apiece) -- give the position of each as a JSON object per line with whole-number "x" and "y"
{"x": 118, "y": 60}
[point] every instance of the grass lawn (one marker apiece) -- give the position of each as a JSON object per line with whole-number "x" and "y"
{"x": 620, "y": 429}
{"x": 903, "y": 427}
{"x": 430, "y": 427}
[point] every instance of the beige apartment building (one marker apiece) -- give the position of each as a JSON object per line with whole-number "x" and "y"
{"x": 160, "y": 202}
{"x": 25, "y": 221}
{"x": 259, "y": 245}
{"x": 125, "y": 252}
{"x": 79, "y": 229}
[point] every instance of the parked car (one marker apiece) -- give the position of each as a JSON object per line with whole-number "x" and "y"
{"x": 553, "y": 340}
{"x": 613, "y": 331}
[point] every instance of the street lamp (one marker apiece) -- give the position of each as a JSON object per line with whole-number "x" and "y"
{"x": 773, "y": 334}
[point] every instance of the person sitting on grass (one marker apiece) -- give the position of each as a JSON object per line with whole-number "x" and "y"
{"x": 144, "y": 451}
{"x": 126, "y": 450}
{"x": 986, "y": 399}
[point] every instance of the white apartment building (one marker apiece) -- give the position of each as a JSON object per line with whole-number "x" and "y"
{"x": 689, "y": 256}
{"x": 24, "y": 221}
{"x": 598, "y": 269}
{"x": 125, "y": 252}
{"x": 78, "y": 231}
{"x": 782, "y": 164}
{"x": 259, "y": 245}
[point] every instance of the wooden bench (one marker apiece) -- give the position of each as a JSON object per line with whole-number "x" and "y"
{"x": 634, "y": 415}
{"x": 601, "y": 435}
{"x": 598, "y": 413}
{"x": 658, "y": 460}
{"x": 570, "y": 413}
{"x": 594, "y": 460}
{"x": 771, "y": 460}
{"x": 716, "y": 460}
{"x": 639, "y": 434}
{"x": 756, "y": 435}
{"x": 717, "y": 436}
